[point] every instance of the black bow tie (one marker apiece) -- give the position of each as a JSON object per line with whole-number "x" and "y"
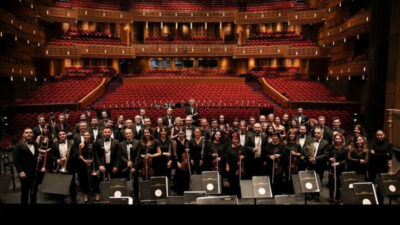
{"x": 106, "y": 139}
{"x": 129, "y": 143}
{"x": 302, "y": 135}
{"x": 62, "y": 142}
{"x": 94, "y": 128}
{"x": 316, "y": 141}
{"x": 30, "y": 142}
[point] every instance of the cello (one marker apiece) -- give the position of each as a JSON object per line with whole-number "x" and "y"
{"x": 293, "y": 165}
{"x": 240, "y": 172}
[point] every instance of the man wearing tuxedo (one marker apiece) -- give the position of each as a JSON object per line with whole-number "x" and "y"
{"x": 94, "y": 130}
{"x": 189, "y": 128}
{"x": 304, "y": 141}
{"x": 109, "y": 153}
{"x": 336, "y": 127}
{"x": 326, "y": 131}
{"x": 37, "y": 130}
{"x": 318, "y": 160}
{"x": 25, "y": 155}
{"x": 138, "y": 128}
{"x": 65, "y": 153}
{"x": 193, "y": 110}
{"x": 82, "y": 118}
{"x": 78, "y": 137}
{"x": 169, "y": 119}
{"x": 257, "y": 144}
{"x": 300, "y": 117}
{"x": 130, "y": 156}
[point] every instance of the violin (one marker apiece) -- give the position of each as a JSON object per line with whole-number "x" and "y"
{"x": 147, "y": 170}
{"x": 294, "y": 168}
{"x": 215, "y": 163}
{"x": 277, "y": 166}
{"x": 185, "y": 160}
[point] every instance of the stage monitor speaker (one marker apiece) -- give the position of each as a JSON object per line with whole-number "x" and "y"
{"x": 196, "y": 183}
{"x": 145, "y": 191}
{"x": 54, "y": 183}
{"x": 121, "y": 200}
{"x": 218, "y": 200}
{"x": 189, "y": 197}
{"x": 175, "y": 200}
{"x": 262, "y": 187}
{"x": 211, "y": 182}
{"x": 389, "y": 184}
{"x": 309, "y": 182}
{"x": 347, "y": 180}
{"x": 5, "y": 181}
{"x": 116, "y": 187}
{"x": 247, "y": 189}
{"x": 159, "y": 187}
{"x": 365, "y": 194}
{"x": 287, "y": 200}
{"x": 296, "y": 184}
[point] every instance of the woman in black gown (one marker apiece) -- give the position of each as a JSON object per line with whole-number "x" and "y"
{"x": 358, "y": 156}
{"x": 197, "y": 148}
{"x": 89, "y": 162}
{"x": 234, "y": 158}
{"x": 149, "y": 148}
{"x": 162, "y": 164}
{"x": 182, "y": 174}
{"x": 293, "y": 150}
{"x": 215, "y": 151}
{"x": 337, "y": 158}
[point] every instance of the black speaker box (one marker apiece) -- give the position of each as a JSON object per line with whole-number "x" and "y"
{"x": 365, "y": 194}
{"x": 389, "y": 184}
{"x": 54, "y": 183}
{"x": 309, "y": 182}
{"x": 211, "y": 182}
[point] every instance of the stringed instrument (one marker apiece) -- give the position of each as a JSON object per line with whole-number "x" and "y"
{"x": 240, "y": 171}
{"x": 147, "y": 162}
{"x": 215, "y": 163}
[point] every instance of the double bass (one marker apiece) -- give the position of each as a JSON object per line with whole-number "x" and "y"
{"x": 186, "y": 159}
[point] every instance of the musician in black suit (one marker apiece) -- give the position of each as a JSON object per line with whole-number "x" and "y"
{"x": 189, "y": 128}
{"x": 62, "y": 124}
{"x": 37, "y": 130}
{"x": 326, "y": 131}
{"x": 300, "y": 117}
{"x": 257, "y": 146}
{"x": 193, "y": 110}
{"x": 137, "y": 128}
{"x": 65, "y": 154}
{"x": 94, "y": 129}
{"x": 320, "y": 152}
{"x": 109, "y": 153}
{"x": 78, "y": 137}
{"x": 169, "y": 119}
{"x": 82, "y": 118}
{"x": 114, "y": 131}
{"x": 104, "y": 118}
{"x": 205, "y": 130}
{"x": 244, "y": 135}
{"x": 336, "y": 128}
{"x": 25, "y": 157}
{"x": 119, "y": 128}
{"x": 304, "y": 141}
{"x": 130, "y": 158}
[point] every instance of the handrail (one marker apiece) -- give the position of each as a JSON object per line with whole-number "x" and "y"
{"x": 274, "y": 94}
{"x": 93, "y": 95}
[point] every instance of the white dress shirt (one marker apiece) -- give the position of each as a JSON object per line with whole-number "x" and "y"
{"x": 31, "y": 148}
{"x": 302, "y": 141}
{"x": 242, "y": 139}
{"x": 128, "y": 151}
{"x": 63, "y": 147}
{"x": 107, "y": 150}
{"x": 95, "y": 133}
{"x": 257, "y": 142}
{"x": 316, "y": 146}
{"x": 188, "y": 134}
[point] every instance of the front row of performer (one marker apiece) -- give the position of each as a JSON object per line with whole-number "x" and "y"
{"x": 237, "y": 155}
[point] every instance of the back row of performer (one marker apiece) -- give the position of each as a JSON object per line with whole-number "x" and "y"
{"x": 129, "y": 149}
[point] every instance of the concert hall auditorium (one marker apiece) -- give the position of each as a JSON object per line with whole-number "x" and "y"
{"x": 199, "y": 102}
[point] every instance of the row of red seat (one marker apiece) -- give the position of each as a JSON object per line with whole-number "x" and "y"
{"x": 274, "y": 71}
{"x": 185, "y": 4}
{"x": 104, "y": 4}
{"x": 184, "y": 40}
{"x": 88, "y": 72}
{"x": 185, "y": 73}
{"x": 279, "y": 38}
{"x": 209, "y": 95}
{"x": 61, "y": 91}
{"x": 303, "y": 89}
{"x": 263, "y": 5}
{"x": 86, "y": 37}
